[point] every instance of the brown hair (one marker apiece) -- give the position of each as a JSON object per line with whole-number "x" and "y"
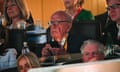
{"x": 21, "y": 5}
{"x": 32, "y": 58}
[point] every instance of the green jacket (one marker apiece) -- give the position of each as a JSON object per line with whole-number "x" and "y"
{"x": 84, "y": 15}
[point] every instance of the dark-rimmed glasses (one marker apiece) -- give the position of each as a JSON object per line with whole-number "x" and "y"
{"x": 114, "y": 6}
{"x": 57, "y": 22}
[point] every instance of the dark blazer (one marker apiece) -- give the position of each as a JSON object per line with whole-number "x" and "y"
{"x": 113, "y": 30}
{"x": 107, "y": 26}
{"x": 81, "y": 31}
{"x": 104, "y": 20}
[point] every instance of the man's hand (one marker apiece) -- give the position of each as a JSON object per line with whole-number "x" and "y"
{"x": 48, "y": 51}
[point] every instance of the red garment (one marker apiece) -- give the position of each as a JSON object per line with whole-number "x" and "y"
{"x": 78, "y": 12}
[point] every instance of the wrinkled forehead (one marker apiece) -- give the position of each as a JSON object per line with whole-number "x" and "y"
{"x": 58, "y": 17}
{"x": 91, "y": 47}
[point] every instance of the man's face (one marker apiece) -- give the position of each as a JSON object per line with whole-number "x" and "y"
{"x": 70, "y": 3}
{"x": 114, "y": 9}
{"x": 59, "y": 27}
{"x": 91, "y": 53}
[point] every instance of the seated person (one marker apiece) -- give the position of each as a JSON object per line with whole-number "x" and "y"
{"x": 60, "y": 25}
{"x": 27, "y": 61}
{"x": 113, "y": 30}
{"x": 7, "y": 55}
{"x": 7, "y": 58}
{"x": 92, "y": 50}
{"x": 75, "y": 9}
{"x": 17, "y": 17}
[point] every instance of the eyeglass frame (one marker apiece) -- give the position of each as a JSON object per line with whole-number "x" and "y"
{"x": 57, "y": 22}
{"x": 114, "y": 6}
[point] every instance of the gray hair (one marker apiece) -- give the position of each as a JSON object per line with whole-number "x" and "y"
{"x": 21, "y": 5}
{"x": 101, "y": 47}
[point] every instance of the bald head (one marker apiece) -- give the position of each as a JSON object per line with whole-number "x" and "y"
{"x": 61, "y": 15}
{"x": 60, "y": 23}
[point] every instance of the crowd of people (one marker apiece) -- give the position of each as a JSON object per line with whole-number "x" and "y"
{"x": 59, "y": 45}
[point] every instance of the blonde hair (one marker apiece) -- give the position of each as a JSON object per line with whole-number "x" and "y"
{"x": 31, "y": 57}
{"x": 21, "y": 5}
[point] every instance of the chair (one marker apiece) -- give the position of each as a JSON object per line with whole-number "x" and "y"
{"x": 88, "y": 29}
{"x": 81, "y": 31}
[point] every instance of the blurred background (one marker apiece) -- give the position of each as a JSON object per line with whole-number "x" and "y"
{"x": 42, "y": 9}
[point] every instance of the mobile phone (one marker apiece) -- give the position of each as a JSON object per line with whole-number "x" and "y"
{"x": 54, "y": 44}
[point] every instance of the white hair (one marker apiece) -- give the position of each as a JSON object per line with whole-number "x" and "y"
{"x": 101, "y": 47}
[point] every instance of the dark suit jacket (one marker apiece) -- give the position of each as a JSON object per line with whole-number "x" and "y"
{"x": 107, "y": 26}
{"x": 81, "y": 31}
{"x": 104, "y": 20}
{"x": 113, "y": 30}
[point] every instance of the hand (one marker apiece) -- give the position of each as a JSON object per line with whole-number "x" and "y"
{"x": 45, "y": 51}
{"x": 93, "y": 59}
{"x": 48, "y": 51}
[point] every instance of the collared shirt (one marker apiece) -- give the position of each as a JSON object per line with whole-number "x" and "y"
{"x": 63, "y": 42}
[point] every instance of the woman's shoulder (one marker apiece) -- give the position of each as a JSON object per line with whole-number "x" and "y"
{"x": 11, "y": 51}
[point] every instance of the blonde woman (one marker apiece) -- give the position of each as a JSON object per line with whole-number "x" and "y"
{"x": 27, "y": 61}
{"x": 15, "y": 11}
{"x": 16, "y": 15}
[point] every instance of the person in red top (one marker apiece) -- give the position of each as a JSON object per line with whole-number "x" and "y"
{"x": 76, "y": 11}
